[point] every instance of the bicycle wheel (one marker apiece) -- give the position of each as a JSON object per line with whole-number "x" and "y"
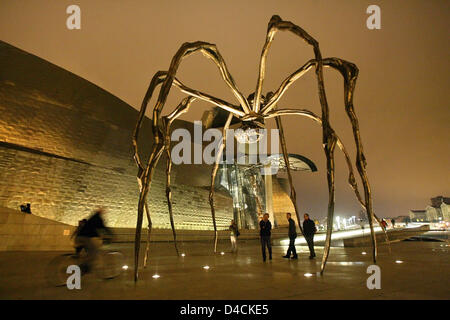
{"x": 110, "y": 264}
{"x": 56, "y": 274}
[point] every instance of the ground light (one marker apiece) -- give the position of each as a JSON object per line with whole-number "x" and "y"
{"x": 364, "y": 253}
{"x": 183, "y": 254}
{"x": 222, "y": 253}
{"x": 125, "y": 267}
{"x": 398, "y": 261}
{"x": 308, "y": 275}
{"x": 206, "y": 267}
{"x": 155, "y": 276}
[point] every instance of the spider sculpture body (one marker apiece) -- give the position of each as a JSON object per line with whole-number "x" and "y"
{"x": 252, "y": 112}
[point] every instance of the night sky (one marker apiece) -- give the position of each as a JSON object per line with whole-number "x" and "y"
{"x": 401, "y": 97}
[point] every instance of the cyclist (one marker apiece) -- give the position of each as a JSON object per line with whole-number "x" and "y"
{"x": 75, "y": 236}
{"x": 93, "y": 228}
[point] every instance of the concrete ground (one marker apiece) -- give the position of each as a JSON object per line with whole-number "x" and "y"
{"x": 424, "y": 274}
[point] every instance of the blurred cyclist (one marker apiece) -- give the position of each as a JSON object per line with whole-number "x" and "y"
{"x": 75, "y": 236}
{"x": 93, "y": 228}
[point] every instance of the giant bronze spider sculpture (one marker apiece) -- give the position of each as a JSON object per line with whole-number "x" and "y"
{"x": 252, "y": 112}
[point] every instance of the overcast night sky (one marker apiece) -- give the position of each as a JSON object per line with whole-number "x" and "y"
{"x": 401, "y": 99}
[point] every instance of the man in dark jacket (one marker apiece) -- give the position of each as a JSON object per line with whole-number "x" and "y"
{"x": 292, "y": 236}
{"x": 264, "y": 232}
{"x": 309, "y": 229}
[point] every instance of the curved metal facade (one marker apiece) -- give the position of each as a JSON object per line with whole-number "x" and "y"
{"x": 65, "y": 147}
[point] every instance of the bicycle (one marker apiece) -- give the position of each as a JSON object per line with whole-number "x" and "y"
{"x": 109, "y": 264}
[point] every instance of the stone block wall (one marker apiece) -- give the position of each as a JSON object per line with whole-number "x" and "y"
{"x": 65, "y": 147}
{"x": 281, "y": 203}
{"x": 26, "y": 232}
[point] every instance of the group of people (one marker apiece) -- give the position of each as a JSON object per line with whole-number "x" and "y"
{"x": 265, "y": 227}
{"x": 93, "y": 227}
{"x": 26, "y": 208}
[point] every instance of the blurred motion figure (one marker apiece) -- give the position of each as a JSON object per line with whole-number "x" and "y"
{"x": 233, "y": 236}
{"x": 93, "y": 228}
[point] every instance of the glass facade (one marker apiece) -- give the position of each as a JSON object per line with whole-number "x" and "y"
{"x": 245, "y": 183}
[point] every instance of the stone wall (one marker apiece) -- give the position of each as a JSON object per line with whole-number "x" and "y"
{"x": 23, "y": 232}
{"x": 281, "y": 203}
{"x": 65, "y": 147}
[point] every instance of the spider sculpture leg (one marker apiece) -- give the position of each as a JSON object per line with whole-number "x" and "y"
{"x": 182, "y": 108}
{"x": 349, "y": 72}
{"x": 149, "y": 220}
{"x": 169, "y": 192}
{"x": 210, "y": 51}
{"x": 168, "y": 79}
{"x": 329, "y": 141}
{"x": 306, "y": 113}
{"x": 146, "y": 180}
{"x": 352, "y": 181}
{"x": 156, "y": 80}
{"x": 293, "y": 194}
{"x": 149, "y": 231}
{"x": 213, "y": 176}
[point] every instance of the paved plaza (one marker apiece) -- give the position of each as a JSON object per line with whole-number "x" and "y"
{"x": 423, "y": 274}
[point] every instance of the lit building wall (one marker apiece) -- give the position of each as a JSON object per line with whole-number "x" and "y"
{"x": 282, "y": 203}
{"x": 445, "y": 209}
{"x": 65, "y": 147}
{"x": 433, "y": 214}
{"x": 418, "y": 215}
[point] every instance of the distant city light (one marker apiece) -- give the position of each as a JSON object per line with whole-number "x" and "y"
{"x": 364, "y": 253}
{"x": 222, "y": 253}
{"x": 183, "y": 254}
{"x": 125, "y": 267}
{"x": 308, "y": 275}
{"x": 335, "y": 236}
{"x": 206, "y": 267}
{"x": 155, "y": 276}
{"x": 398, "y": 261}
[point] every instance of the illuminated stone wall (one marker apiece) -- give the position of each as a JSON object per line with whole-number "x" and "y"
{"x": 282, "y": 203}
{"x": 65, "y": 147}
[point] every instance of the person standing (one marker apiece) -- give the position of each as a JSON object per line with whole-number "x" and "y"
{"x": 233, "y": 236}
{"x": 292, "y": 233}
{"x": 265, "y": 227}
{"x": 309, "y": 229}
